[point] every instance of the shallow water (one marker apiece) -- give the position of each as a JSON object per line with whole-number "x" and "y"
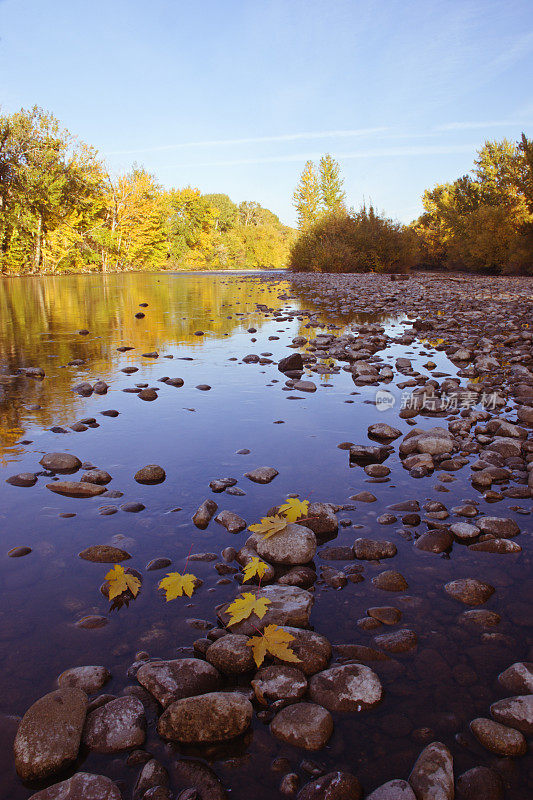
{"x": 194, "y": 435}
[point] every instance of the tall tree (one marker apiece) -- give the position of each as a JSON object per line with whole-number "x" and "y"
{"x": 307, "y": 197}
{"x": 332, "y": 195}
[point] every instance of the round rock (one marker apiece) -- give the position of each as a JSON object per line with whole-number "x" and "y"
{"x": 333, "y": 786}
{"x": 60, "y": 462}
{"x": 211, "y": 717}
{"x": 169, "y": 681}
{"x": 469, "y": 591}
{"x": 115, "y": 726}
{"x": 498, "y": 738}
{"x": 231, "y": 654}
{"x": 294, "y": 545}
{"x": 305, "y": 725}
{"x": 279, "y": 682}
{"x": 150, "y": 474}
{"x": 351, "y": 687}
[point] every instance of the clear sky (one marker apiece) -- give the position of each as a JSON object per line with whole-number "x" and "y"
{"x": 235, "y": 95}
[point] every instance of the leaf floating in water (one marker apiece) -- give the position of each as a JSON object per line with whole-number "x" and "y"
{"x": 121, "y": 581}
{"x": 176, "y": 585}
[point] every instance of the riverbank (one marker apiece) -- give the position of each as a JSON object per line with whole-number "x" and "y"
{"x": 401, "y": 410}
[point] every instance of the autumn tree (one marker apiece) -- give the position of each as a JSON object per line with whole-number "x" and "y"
{"x": 332, "y": 195}
{"x": 307, "y": 197}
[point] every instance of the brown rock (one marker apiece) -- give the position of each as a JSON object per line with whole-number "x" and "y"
{"x": 82, "y": 786}
{"x": 498, "y": 738}
{"x": 118, "y": 725}
{"x": 75, "y": 489}
{"x": 211, "y": 717}
{"x": 305, "y": 725}
{"x": 169, "y": 681}
{"x": 351, "y": 687}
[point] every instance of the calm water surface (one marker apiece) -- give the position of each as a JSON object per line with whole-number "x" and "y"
{"x": 430, "y": 694}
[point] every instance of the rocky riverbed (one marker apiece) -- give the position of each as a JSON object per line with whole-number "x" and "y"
{"x": 405, "y": 585}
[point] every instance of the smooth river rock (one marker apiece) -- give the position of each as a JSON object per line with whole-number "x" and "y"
{"x": 332, "y": 786}
{"x": 49, "y": 735}
{"x": 89, "y": 679}
{"x": 373, "y": 549}
{"x": 498, "y": 738}
{"x": 305, "y": 725}
{"x": 115, "y": 726}
{"x": 151, "y": 474}
{"x": 262, "y": 474}
{"x": 60, "y": 462}
{"x": 518, "y": 678}
{"x": 278, "y": 682}
{"x": 351, "y": 687}
{"x": 169, "y": 681}
{"x": 211, "y": 717}
{"x": 294, "y": 545}
{"x": 469, "y": 591}
{"x": 75, "y": 489}
{"x": 432, "y": 775}
{"x": 517, "y": 712}
{"x": 82, "y": 786}
{"x": 231, "y": 655}
{"x": 393, "y": 790}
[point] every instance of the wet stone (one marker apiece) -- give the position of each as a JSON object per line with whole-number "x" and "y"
{"x": 432, "y": 775}
{"x": 133, "y": 507}
{"x": 90, "y": 679}
{"x": 434, "y": 541}
{"x": 469, "y": 591}
{"x": 48, "y": 737}
{"x": 18, "y": 552}
{"x": 118, "y": 725}
{"x": 289, "y": 605}
{"x": 104, "y": 554}
{"x": 262, "y": 474}
{"x": 518, "y": 678}
{"x": 204, "y": 514}
{"x": 499, "y": 546}
{"x": 232, "y": 522}
{"x": 501, "y": 527}
{"x": 75, "y": 489}
{"x": 351, "y": 687}
{"x": 23, "y": 479}
{"x": 498, "y": 738}
{"x": 97, "y": 476}
{"x": 294, "y": 545}
{"x": 517, "y": 712}
{"x": 279, "y": 682}
{"x": 151, "y": 474}
{"x": 393, "y": 790}
{"x": 373, "y": 550}
{"x": 60, "y": 462}
{"x": 390, "y": 581}
{"x": 158, "y": 563}
{"x": 231, "y": 654}
{"x": 397, "y": 641}
{"x": 480, "y": 783}
{"x": 82, "y": 786}
{"x": 388, "y": 615}
{"x": 211, "y": 717}
{"x": 169, "y": 681}
{"x": 305, "y": 725}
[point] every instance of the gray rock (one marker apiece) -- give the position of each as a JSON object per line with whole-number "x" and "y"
{"x": 82, "y": 786}
{"x": 89, "y": 679}
{"x": 211, "y": 717}
{"x": 498, "y": 738}
{"x": 232, "y": 522}
{"x": 432, "y": 774}
{"x": 393, "y": 790}
{"x": 49, "y": 735}
{"x": 118, "y": 725}
{"x": 502, "y": 527}
{"x": 279, "y": 682}
{"x": 289, "y": 605}
{"x": 305, "y": 725}
{"x": 518, "y": 678}
{"x": 231, "y": 654}
{"x": 351, "y": 687}
{"x": 464, "y": 531}
{"x": 516, "y": 712}
{"x": 262, "y": 474}
{"x": 169, "y": 681}
{"x": 294, "y": 545}
{"x": 305, "y": 386}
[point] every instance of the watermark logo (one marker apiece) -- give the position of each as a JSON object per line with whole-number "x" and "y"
{"x": 384, "y": 400}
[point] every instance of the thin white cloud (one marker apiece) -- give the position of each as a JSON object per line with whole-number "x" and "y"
{"x": 471, "y": 126}
{"x": 391, "y": 152}
{"x": 286, "y": 137}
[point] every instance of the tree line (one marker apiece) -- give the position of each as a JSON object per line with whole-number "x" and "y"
{"x": 482, "y": 222}
{"x": 62, "y": 211}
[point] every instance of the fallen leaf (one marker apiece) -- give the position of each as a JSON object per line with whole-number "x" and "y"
{"x": 245, "y": 606}
{"x": 275, "y": 641}
{"x": 269, "y": 526}
{"x": 176, "y": 585}
{"x": 254, "y": 567}
{"x": 120, "y": 581}
{"x": 293, "y": 509}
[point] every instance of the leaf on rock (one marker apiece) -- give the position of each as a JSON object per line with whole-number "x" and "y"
{"x": 254, "y": 567}
{"x": 176, "y": 585}
{"x": 120, "y": 581}
{"x": 275, "y": 641}
{"x": 293, "y": 509}
{"x": 269, "y": 526}
{"x": 246, "y": 605}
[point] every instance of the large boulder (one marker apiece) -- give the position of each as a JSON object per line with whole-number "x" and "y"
{"x": 49, "y": 734}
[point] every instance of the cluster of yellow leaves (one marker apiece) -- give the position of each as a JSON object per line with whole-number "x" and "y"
{"x": 254, "y": 567}
{"x": 176, "y": 585}
{"x": 246, "y": 605}
{"x": 275, "y": 641}
{"x": 290, "y": 511}
{"x": 120, "y": 581}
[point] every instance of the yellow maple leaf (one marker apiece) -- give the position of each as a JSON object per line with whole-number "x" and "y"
{"x": 176, "y": 585}
{"x": 254, "y": 567}
{"x": 120, "y": 581}
{"x": 293, "y": 509}
{"x": 269, "y": 526}
{"x": 246, "y": 605}
{"x": 275, "y": 641}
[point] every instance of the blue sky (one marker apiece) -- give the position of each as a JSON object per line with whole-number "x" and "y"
{"x": 235, "y": 95}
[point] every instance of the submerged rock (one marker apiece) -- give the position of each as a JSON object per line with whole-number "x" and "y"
{"x": 351, "y": 687}
{"x": 211, "y": 717}
{"x": 333, "y": 786}
{"x": 169, "y": 681}
{"x": 82, "y": 786}
{"x": 305, "y": 725}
